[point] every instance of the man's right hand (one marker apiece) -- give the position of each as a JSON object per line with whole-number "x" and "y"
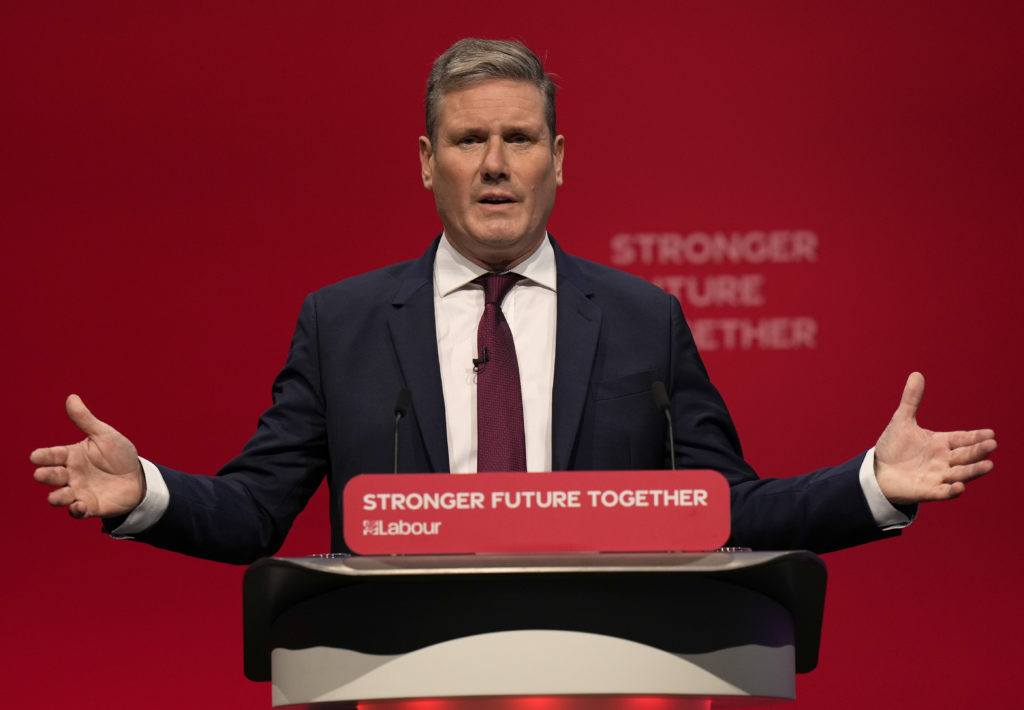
{"x": 100, "y": 476}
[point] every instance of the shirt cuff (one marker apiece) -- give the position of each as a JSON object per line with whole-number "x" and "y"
{"x": 152, "y": 507}
{"x": 886, "y": 515}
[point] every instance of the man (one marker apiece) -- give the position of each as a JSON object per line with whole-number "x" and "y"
{"x": 589, "y": 344}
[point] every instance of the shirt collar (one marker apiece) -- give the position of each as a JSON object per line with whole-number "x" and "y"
{"x": 453, "y": 271}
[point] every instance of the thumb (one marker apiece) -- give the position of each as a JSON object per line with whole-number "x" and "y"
{"x": 83, "y": 418}
{"x": 913, "y": 392}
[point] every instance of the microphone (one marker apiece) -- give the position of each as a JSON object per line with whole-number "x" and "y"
{"x": 478, "y": 361}
{"x": 661, "y": 401}
{"x": 401, "y": 409}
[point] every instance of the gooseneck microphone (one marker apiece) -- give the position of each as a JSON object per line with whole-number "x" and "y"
{"x": 661, "y": 401}
{"x": 401, "y": 409}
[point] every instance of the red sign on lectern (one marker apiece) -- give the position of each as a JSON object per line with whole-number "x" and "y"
{"x": 572, "y": 511}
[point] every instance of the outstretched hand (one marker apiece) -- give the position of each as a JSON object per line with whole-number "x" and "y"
{"x": 913, "y": 465}
{"x": 99, "y": 476}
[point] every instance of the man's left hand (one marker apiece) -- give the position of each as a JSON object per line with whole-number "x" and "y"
{"x": 914, "y": 465}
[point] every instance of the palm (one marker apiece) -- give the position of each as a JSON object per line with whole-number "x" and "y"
{"x": 914, "y": 465}
{"x": 98, "y": 476}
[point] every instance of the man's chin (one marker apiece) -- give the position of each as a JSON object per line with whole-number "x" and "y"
{"x": 499, "y": 250}
{"x": 500, "y": 241}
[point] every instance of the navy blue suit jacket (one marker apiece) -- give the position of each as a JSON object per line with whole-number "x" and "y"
{"x": 362, "y": 340}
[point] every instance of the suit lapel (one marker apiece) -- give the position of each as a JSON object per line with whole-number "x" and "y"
{"x": 576, "y": 338}
{"x": 414, "y": 336}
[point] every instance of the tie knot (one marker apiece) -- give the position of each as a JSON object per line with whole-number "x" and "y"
{"x": 496, "y": 286}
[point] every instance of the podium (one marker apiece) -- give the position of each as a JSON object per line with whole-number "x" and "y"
{"x": 672, "y": 631}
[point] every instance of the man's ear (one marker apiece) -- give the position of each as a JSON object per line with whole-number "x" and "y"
{"x": 559, "y": 155}
{"x": 426, "y": 155}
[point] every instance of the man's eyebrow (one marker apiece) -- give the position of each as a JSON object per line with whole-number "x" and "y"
{"x": 455, "y": 126}
{"x": 524, "y": 128}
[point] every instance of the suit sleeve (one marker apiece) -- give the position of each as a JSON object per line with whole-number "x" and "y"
{"x": 822, "y": 511}
{"x": 245, "y": 511}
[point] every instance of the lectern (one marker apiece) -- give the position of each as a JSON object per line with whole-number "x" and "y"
{"x": 577, "y": 630}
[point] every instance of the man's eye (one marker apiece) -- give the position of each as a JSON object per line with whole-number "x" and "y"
{"x": 469, "y": 140}
{"x": 520, "y": 139}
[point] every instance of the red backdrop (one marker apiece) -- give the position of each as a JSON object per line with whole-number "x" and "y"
{"x": 176, "y": 176}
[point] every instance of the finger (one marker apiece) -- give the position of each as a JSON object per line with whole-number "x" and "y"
{"x": 51, "y": 475}
{"x": 78, "y": 510}
{"x": 61, "y": 497}
{"x": 969, "y": 438}
{"x": 83, "y": 418}
{"x": 972, "y": 454}
{"x": 913, "y": 392}
{"x": 50, "y": 456}
{"x": 969, "y": 472}
{"x": 947, "y": 491}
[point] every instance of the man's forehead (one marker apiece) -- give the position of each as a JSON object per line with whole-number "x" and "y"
{"x": 494, "y": 100}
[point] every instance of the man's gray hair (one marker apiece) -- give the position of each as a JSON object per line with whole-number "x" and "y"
{"x": 471, "y": 61}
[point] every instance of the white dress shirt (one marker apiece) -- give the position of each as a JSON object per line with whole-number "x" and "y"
{"x": 530, "y": 309}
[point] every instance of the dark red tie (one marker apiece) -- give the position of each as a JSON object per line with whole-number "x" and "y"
{"x": 501, "y": 442}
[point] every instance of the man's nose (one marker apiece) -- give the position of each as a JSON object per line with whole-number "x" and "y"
{"x": 495, "y": 163}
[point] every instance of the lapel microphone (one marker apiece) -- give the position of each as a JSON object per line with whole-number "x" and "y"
{"x": 478, "y": 361}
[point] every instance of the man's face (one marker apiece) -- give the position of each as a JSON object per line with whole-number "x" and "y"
{"x": 494, "y": 170}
